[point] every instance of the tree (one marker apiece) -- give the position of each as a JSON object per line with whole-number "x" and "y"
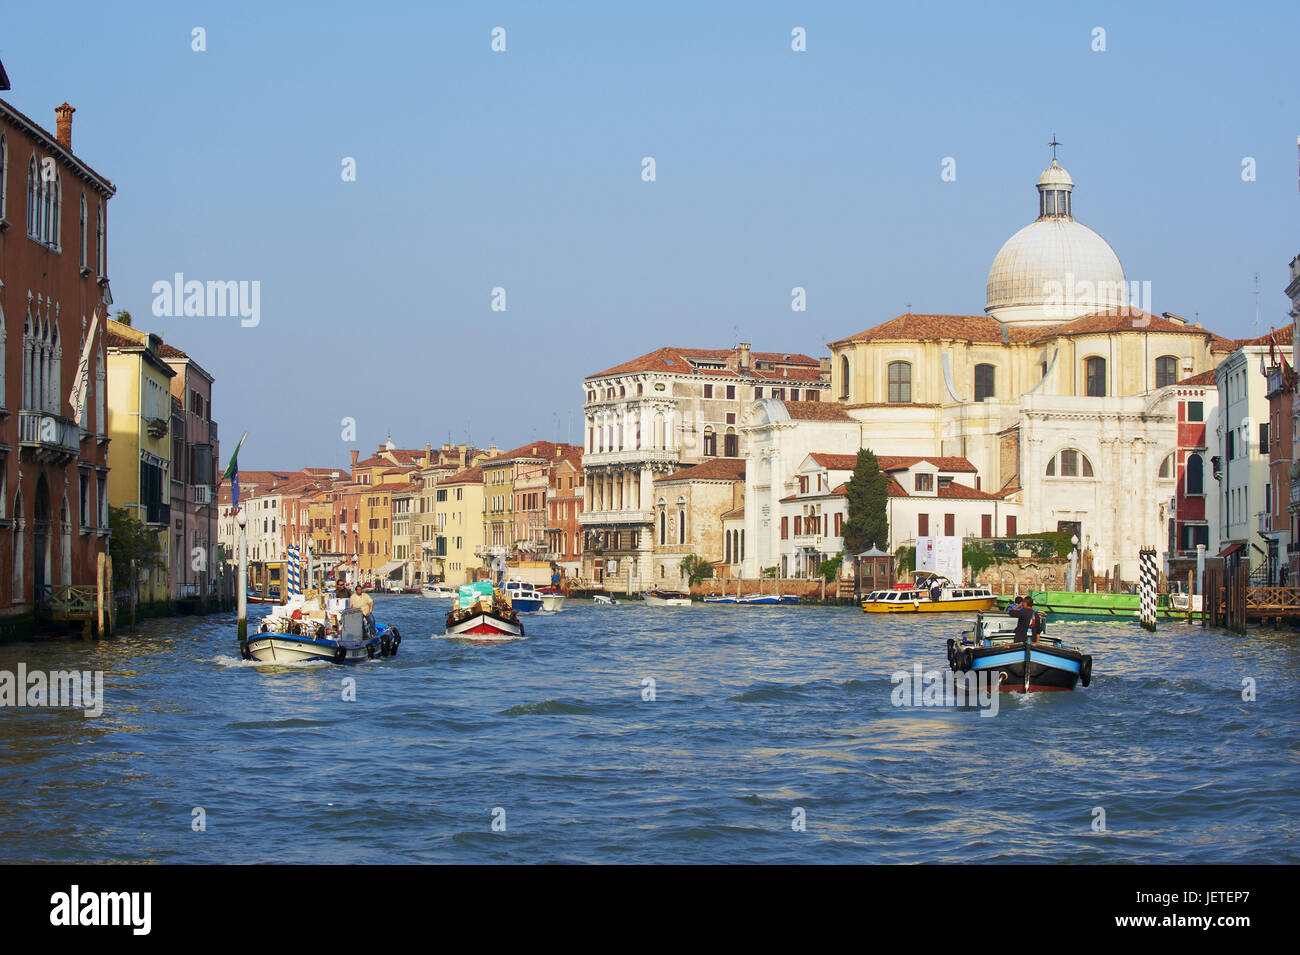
{"x": 123, "y": 316}
{"x": 695, "y": 569}
{"x": 131, "y": 540}
{"x": 868, "y": 496}
{"x": 830, "y": 569}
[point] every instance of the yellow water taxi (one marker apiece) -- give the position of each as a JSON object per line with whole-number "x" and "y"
{"x": 929, "y": 593}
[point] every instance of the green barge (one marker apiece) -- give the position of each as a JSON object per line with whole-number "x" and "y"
{"x": 1073, "y": 605}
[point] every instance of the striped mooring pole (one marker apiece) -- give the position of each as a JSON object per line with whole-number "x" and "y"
{"x": 295, "y": 586}
{"x": 1147, "y": 588}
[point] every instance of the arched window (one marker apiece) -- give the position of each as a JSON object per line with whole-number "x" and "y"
{"x": 4, "y": 173}
{"x": 81, "y": 234}
{"x": 99, "y": 241}
{"x": 1167, "y": 467}
{"x": 731, "y": 444}
{"x": 900, "y": 383}
{"x": 710, "y": 442}
{"x": 1195, "y": 477}
{"x": 984, "y": 382}
{"x": 1069, "y": 463}
{"x": 1166, "y": 371}
{"x": 663, "y": 523}
{"x": 844, "y": 377}
{"x": 1095, "y": 377}
{"x": 54, "y": 232}
{"x": 33, "y": 198}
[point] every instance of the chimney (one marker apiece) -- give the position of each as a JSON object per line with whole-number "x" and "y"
{"x": 464, "y": 461}
{"x": 63, "y": 125}
{"x": 744, "y": 356}
{"x": 354, "y": 459}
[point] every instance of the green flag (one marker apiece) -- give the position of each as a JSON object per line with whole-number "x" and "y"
{"x": 232, "y": 473}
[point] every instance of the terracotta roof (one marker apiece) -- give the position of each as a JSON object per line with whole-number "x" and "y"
{"x": 543, "y": 450}
{"x": 1119, "y": 320}
{"x": 788, "y": 497}
{"x": 816, "y": 411}
{"x": 896, "y": 489}
{"x": 677, "y": 361}
{"x": 955, "y": 490}
{"x": 1278, "y": 336}
{"x": 734, "y": 513}
{"x": 911, "y": 326}
{"x": 835, "y": 462}
{"x": 714, "y": 469}
{"x": 171, "y": 351}
{"x": 1204, "y": 378}
{"x": 472, "y": 475}
{"x": 889, "y": 462}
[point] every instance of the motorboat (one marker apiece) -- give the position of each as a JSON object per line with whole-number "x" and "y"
{"x": 438, "y": 591}
{"x": 722, "y": 599}
{"x": 667, "y": 598}
{"x": 1037, "y": 664}
{"x": 606, "y": 599}
{"x": 523, "y": 597}
{"x": 768, "y": 599}
{"x": 552, "y": 599}
{"x": 929, "y": 593}
{"x": 310, "y": 628}
{"x": 480, "y": 612}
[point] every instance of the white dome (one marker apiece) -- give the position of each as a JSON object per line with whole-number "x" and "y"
{"x": 1054, "y": 269}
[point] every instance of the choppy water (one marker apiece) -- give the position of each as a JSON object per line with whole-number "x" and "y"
{"x": 759, "y": 712}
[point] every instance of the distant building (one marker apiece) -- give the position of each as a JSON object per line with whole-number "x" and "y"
{"x": 688, "y": 506}
{"x": 565, "y": 496}
{"x": 1193, "y": 517}
{"x": 1242, "y": 474}
{"x": 649, "y": 417}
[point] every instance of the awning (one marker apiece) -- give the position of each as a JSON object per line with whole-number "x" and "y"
{"x": 1231, "y": 549}
{"x": 390, "y": 568}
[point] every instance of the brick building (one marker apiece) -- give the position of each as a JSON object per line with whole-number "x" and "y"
{"x": 53, "y": 278}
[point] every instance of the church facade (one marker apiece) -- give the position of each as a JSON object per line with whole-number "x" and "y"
{"x": 1061, "y": 395}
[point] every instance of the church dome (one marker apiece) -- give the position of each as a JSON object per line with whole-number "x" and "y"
{"x": 1054, "y": 269}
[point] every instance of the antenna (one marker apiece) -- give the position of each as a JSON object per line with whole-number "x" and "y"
{"x": 1256, "y": 304}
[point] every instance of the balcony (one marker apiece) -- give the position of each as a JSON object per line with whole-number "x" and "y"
{"x": 605, "y": 518}
{"x": 212, "y": 431}
{"x": 1295, "y": 492}
{"x": 813, "y": 541}
{"x": 52, "y": 437}
{"x": 158, "y": 513}
{"x": 631, "y": 456}
{"x": 201, "y": 494}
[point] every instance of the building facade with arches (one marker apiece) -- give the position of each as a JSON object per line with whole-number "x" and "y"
{"x": 1062, "y": 394}
{"x": 53, "y": 459}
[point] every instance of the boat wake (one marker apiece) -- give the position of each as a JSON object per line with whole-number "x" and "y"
{"x": 477, "y": 637}
{"x": 229, "y": 661}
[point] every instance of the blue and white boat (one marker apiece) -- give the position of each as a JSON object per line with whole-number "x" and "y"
{"x": 524, "y": 597}
{"x": 284, "y": 636}
{"x": 768, "y": 599}
{"x": 1038, "y": 664}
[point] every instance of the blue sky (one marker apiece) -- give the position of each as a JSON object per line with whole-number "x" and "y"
{"x": 522, "y": 169}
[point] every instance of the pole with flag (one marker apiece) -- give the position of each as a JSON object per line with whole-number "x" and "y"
{"x": 241, "y": 520}
{"x": 81, "y": 380}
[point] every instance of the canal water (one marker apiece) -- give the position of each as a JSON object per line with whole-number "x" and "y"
{"x": 768, "y": 735}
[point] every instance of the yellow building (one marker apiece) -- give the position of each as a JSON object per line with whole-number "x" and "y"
{"x": 498, "y": 514}
{"x": 139, "y": 455}
{"x": 459, "y": 522}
